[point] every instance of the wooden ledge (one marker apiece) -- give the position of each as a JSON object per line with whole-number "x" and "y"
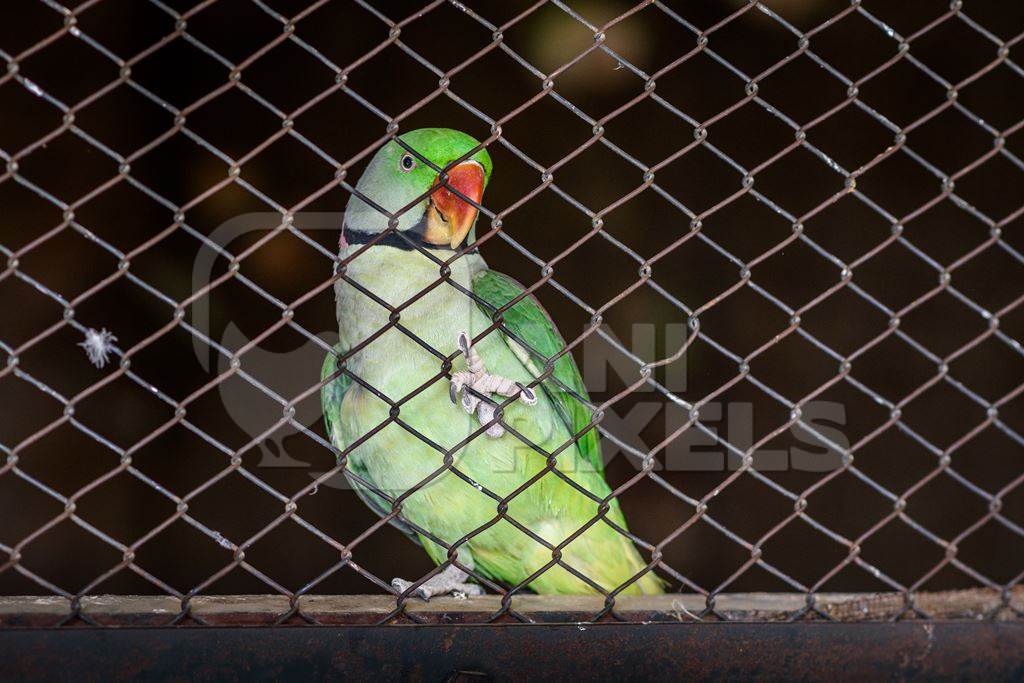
{"x": 121, "y": 610}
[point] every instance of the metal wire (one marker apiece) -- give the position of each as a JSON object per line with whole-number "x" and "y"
{"x": 490, "y": 227}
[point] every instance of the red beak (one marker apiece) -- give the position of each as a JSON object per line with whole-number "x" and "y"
{"x": 455, "y": 215}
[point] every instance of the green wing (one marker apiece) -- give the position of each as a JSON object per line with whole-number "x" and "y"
{"x": 331, "y": 396}
{"x": 535, "y": 339}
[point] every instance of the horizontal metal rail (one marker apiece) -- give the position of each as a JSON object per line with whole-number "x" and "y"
{"x": 612, "y": 652}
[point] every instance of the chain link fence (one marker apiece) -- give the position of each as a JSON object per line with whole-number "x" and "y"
{"x": 809, "y": 203}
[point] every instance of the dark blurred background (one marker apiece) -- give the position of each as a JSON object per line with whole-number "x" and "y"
{"x": 287, "y": 77}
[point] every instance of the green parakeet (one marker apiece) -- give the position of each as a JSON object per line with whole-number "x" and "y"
{"x": 397, "y": 410}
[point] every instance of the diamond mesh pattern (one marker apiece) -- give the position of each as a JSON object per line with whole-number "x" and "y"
{"x": 804, "y": 247}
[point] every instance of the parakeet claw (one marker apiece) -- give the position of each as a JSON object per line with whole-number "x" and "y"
{"x": 476, "y": 378}
{"x": 451, "y": 580}
{"x": 465, "y": 344}
{"x": 526, "y": 394}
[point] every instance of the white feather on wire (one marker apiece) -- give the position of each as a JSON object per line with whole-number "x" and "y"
{"x": 98, "y": 346}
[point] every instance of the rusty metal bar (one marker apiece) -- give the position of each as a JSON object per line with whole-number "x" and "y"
{"x": 599, "y": 652}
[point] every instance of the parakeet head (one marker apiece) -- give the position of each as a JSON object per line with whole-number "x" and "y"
{"x": 396, "y": 177}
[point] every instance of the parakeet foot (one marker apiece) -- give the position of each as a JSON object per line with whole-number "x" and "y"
{"x": 451, "y": 580}
{"x": 476, "y": 377}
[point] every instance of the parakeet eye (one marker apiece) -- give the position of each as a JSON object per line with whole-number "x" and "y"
{"x": 407, "y": 163}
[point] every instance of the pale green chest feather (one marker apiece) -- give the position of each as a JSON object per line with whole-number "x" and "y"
{"x": 397, "y": 365}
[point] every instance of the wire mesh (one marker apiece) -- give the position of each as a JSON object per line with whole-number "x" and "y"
{"x": 753, "y": 268}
